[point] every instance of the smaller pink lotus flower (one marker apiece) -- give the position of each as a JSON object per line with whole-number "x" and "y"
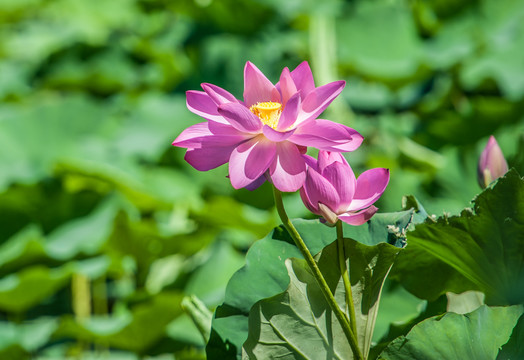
{"x": 492, "y": 163}
{"x": 332, "y": 191}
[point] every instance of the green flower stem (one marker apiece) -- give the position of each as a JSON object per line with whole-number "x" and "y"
{"x": 341, "y": 317}
{"x": 81, "y": 293}
{"x": 345, "y": 277}
{"x": 100, "y": 306}
{"x": 81, "y": 302}
{"x": 323, "y": 55}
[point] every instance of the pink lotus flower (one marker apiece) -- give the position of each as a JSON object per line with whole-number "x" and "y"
{"x": 492, "y": 163}
{"x": 267, "y": 133}
{"x": 332, "y": 191}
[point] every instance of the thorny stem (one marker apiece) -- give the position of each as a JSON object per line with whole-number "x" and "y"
{"x": 341, "y": 317}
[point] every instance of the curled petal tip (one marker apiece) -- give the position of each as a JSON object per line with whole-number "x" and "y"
{"x": 360, "y": 217}
{"x": 341, "y": 83}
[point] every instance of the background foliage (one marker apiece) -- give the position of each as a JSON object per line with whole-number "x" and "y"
{"x": 100, "y": 215}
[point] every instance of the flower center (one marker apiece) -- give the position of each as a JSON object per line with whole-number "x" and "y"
{"x": 268, "y": 112}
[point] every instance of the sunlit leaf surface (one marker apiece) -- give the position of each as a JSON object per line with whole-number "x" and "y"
{"x": 482, "y": 249}
{"x": 265, "y": 264}
{"x": 478, "y": 335}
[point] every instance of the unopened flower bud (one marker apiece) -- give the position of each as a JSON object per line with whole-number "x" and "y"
{"x": 492, "y": 163}
{"x": 332, "y": 190}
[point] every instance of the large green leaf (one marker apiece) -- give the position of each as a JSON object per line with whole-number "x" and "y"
{"x": 209, "y": 281}
{"x": 18, "y": 341}
{"x": 76, "y": 238}
{"x": 501, "y": 53}
{"x": 25, "y": 248}
{"x": 479, "y": 250}
{"x": 397, "y": 306}
{"x": 478, "y": 335}
{"x": 299, "y": 323}
{"x": 66, "y": 124}
{"x": 22, "y": 290}
{"x": 368, "y": 268}
{"x": 514, "y": 348}
{"x": 265, "y": 264}
{"x": 83, "y": 236}
{"x": 135, "y": 330}
{"x": 389, "y": 49}
{"x": 225, "y": 212}
{"x": 145, "y": 243}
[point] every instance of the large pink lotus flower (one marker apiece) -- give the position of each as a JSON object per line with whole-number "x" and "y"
{"x": 492, "y": 163}
{"x": 266, "y": 134}
{"x": 332, "y": 191}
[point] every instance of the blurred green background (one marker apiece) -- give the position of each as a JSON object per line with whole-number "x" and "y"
{"x": 103, "y": 226}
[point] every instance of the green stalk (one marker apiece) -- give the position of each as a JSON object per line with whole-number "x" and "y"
{"x": 100, "y": 306}
{"x": 340, "y": 315}
{"x": 81, "y": 302}
{"x": 81, "y": 292}
{"x": 323, "y": 54}
{"x": 345, "y": 277}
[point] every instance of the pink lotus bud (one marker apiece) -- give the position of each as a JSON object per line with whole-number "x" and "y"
{"x": 332, "y": 191}
{"x": 492, "y": 163}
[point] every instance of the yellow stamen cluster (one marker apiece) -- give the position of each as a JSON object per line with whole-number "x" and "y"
{"x": 268, "y": 112}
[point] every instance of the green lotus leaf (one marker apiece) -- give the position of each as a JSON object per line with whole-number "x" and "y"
{"x": 477, "y": 335}
{"x": 299, "y": 323}
{"x": 265, "y": 272}
{"x": 482, "y": 249}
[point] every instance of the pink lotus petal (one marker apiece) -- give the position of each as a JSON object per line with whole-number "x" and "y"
{"x": 208, "y": 158}
{"x": 289, "y": 114}
{"x": 303, "y": 78}
{"x": 250, "y": 160}
{"x": 288, "y": 170}
{"x": 286, "y": 85}
{"x": 311, "y": 162}
{"x": 319, "y": 99}
{"x": 227, "y": 130}
{"x": 326, "y": 158}
{"x": 198, "y": 102}
{"x": 240, "y": 117}
{"x": 327, "y": 135}
{"x": 307, "y": 202}
{"x": 370, "y": 186}
{"x": 217, "y": 94}
{"x": 257, "y": 183}
{"x": 343, "y": 180}
{"x": 320, "y": 190}
{"x": 192, "y": 136}
{"x": 302, "y": 149}
{"x": 275, "y": 135}
{"x": 208, "y": 149}
{"x": 209, "y": 134}
{"x": 257, "y": 87}
{"x": 359, "y": 218}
